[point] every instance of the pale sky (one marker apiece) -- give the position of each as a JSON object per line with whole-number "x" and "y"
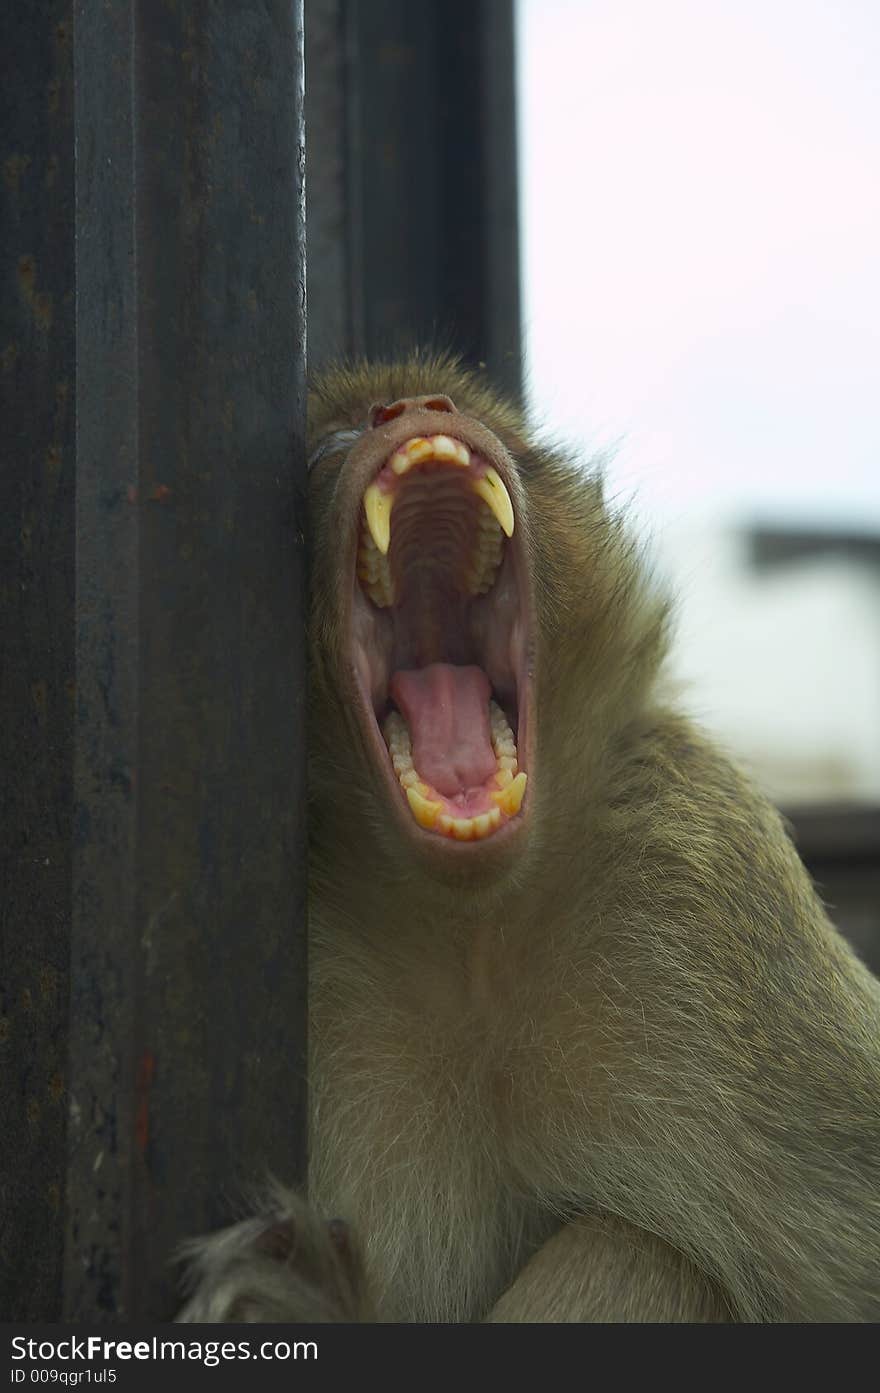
{"x": 700, "y": 186}
{"x": 701, "y": 256}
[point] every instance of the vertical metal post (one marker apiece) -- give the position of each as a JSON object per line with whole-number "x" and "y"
{"x": 413, "y": 211}
{"x": 36, "y": 642}
{"x": 187, "y": 968}
{"x": 334, "y": 278}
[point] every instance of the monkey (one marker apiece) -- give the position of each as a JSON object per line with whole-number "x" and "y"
{"x": 584, "y": 1044}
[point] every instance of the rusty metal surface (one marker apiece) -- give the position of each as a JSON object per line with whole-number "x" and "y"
{"x": 36, "y": 642}
{"x": 187, "y": 966}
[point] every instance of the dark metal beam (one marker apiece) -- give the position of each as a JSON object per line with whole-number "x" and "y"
{"x": 36, "y": 642}
{"x": 413, "y": 182}
{"x": 187, "y": 969}
{"x": 333, "y": 276}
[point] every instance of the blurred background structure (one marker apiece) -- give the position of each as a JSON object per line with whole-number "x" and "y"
{"x": 700, "y": 218}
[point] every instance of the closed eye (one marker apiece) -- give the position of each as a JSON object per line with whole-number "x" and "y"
{"x": 333, "y": 444}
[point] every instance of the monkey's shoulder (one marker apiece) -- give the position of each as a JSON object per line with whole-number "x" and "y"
{"x": 701, "y": 886}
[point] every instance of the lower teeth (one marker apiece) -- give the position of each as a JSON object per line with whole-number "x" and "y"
{"x": 427, "y": 806}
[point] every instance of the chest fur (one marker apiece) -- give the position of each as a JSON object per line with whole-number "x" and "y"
{"x": 407, "y": 1144}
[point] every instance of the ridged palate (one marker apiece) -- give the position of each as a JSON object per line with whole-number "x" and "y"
{"x": 437, "y": 524}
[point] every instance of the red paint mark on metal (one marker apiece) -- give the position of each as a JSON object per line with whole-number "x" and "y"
{"x": 143, "y": 1084}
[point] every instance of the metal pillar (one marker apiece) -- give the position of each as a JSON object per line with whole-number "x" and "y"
{"x": 37, "y": 458}
{"x": 412, "y": 180}
{"x": 184, "y": 891}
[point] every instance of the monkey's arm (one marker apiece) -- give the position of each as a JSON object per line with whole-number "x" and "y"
{"x": 718, "y": 1047}
{"x": 601, "y": 1269}
{"x": 288, "y": 1266}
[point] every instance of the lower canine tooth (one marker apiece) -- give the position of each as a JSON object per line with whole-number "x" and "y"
{"x": 510, "y": 799}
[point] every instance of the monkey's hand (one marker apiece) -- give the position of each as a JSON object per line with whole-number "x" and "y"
{"x": 284, "y": 1266}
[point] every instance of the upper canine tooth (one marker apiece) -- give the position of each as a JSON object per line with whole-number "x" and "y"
{"x": 492, "y": 490}
{"x": 377, "y": 506}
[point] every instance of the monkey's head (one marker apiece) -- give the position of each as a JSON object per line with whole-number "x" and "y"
{"x": 479, "y": 628}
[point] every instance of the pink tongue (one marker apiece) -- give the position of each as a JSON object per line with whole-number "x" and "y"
{"x": 447, "y": 711}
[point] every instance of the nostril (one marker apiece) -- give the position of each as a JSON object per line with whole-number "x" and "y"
{"x": 379, "y": 414}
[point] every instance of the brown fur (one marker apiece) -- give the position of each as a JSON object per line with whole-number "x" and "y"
{"x": 633, "y": 1073}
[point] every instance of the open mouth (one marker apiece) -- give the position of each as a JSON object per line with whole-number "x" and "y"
{"x": 440, "y": 632}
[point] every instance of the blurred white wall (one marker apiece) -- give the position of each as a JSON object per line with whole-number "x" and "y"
{"x": 700, "y": 187}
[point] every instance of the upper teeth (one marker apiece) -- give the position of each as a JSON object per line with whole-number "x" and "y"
{"x": 421, "y": 448}
{"x": 488, "y": 485}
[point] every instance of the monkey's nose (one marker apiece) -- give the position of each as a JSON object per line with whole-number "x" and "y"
{"x": 379, "y": 414}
